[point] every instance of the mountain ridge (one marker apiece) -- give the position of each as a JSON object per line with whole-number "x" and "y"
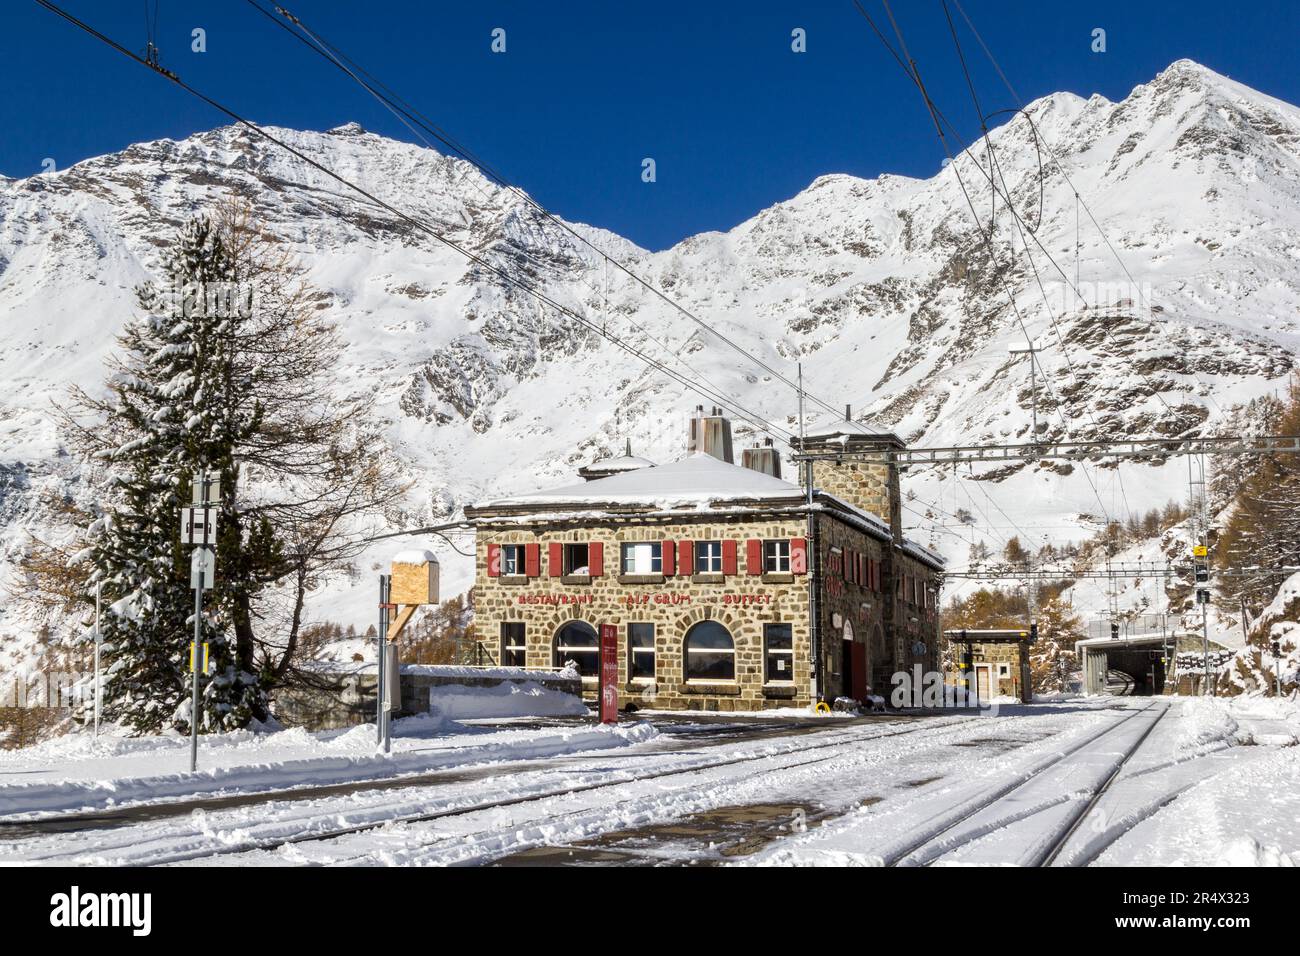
{"x": 882, "y": 288}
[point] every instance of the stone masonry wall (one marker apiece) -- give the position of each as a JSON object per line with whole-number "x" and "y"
{"x": 871, "y": 486}
{"x": 741, "y": 602}
{"x": 849, "y": 610}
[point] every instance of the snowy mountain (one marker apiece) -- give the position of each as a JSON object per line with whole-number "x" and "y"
{"x": 882, "y": 289}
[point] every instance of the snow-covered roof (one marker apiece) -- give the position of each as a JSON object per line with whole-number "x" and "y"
{"x": 699, "y": 481}
{"x": 415, "y": 556}
{"x": 923, "y": 554}
{"x": 621, "y": 463}
{"x": 846, "y": 428}
{"x": 696, "y": 480}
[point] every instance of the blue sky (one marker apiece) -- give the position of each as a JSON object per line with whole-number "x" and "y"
{"x": 585, "y": 91}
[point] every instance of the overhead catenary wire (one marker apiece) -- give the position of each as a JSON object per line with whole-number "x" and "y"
{"x": 514, "y": 281}
{"x": 412, "y": 118}
{"x": 1056, "y": 159}
{"x": 419, "y": 126}
{"x": 909, "y": 67}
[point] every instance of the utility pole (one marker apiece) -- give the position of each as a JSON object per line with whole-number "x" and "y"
{"x": 383, "y": 702}
{"x": 99, "y": 639}
{"x": 199, "y": 528}
{"x": 814, "y": 636}
{"x": 1200, "y": 556}
{"x": 1031, "y": 350}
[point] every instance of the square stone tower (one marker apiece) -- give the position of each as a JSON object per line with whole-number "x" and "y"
{"x": 872, "y": 486}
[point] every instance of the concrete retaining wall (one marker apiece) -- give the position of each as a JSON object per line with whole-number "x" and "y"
{"x": 346, "y": 699}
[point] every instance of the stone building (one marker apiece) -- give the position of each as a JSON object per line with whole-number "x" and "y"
{"x": 730, "y": 590}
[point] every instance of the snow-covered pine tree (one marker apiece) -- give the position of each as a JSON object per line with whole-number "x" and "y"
{"x": 245, "y": 386}
{"x": 167, "y": 415}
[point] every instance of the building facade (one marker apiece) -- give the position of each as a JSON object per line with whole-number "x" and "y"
{"x": 728, "y": 588}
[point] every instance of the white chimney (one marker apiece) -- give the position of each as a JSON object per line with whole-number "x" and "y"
{"x": 763, "y": 458}
{"x": 710, "y": 434}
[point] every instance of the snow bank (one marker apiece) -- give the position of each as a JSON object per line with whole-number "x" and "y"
{"x": 77, "y": 775}
{"x": 527, "y": 699}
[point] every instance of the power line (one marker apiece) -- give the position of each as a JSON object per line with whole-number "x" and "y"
{"x": 913, "y": 72}
{"x": 416, "y": 123}
{"x": 1051, "y": 152}
{"x": 413, "y": 118}
{"x": 526, "y": 287}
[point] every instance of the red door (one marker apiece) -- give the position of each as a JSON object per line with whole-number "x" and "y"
{"x": 855, "y": 670}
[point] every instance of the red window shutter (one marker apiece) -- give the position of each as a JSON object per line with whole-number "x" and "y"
{"x": 554, "y": 561}
{"x": 686, "y": 557}
{"x": 729, "y": 557}
{"x": 862, "y": 569}
{"x": 532, "y": 560}
{"x": 754, "y": 556}
{"x": 596, "y": 558}
{"x": 848, "y": 564}
{"x": 494, "y": 560}
{"x": 798, "y": 555}
{"x": 668, "y": 557}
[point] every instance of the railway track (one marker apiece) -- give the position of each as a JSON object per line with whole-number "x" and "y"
{"x": 236, "y": 846}
{"x": 696, "y": 736}
{"x": 929, "y": 848}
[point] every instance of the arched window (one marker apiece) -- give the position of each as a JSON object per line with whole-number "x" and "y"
{"x": 577, "y": 642}
{"x": 710, "y": 653}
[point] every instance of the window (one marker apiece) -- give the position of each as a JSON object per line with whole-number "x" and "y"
{"x": 643, "y": 558}
{"x": 778, "y": 652}
{"x": 576, "y": 560}
{"x": 710, "y": 653}
{"x": 641, "y": 651}
{"x": 708, "y": 557}
{"x": 512, "y": 559}
{"x": 512, "y": 642}
{"x": 577, "y": 642}
{"x": 776, "y": 556}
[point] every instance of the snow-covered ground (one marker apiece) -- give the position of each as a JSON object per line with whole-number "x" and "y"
{"x": 1102, "y": 781}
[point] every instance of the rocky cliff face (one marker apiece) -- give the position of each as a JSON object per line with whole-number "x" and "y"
{"x": 882, "y": 289}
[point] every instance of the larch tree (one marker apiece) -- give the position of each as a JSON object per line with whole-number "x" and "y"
{"x": 232, "y": 366}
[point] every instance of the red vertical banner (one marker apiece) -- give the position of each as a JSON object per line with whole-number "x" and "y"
{"x": 608, "y": 674}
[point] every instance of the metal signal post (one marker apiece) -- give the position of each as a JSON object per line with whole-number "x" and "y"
{"x": 199, "y": 527}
